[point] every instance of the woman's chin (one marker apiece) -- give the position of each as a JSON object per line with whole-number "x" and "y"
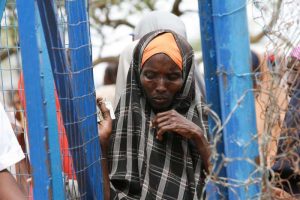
{"x": 160, "y": 108}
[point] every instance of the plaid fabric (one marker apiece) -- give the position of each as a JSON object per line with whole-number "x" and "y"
{"x": 142, "y": 167}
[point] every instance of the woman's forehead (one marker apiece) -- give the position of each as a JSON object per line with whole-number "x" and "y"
{"x": 161, "y": 60}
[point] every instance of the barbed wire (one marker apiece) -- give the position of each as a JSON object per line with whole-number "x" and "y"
{"x": 276, "y": 83}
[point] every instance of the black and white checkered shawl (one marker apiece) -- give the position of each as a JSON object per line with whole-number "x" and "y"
{"x": 142, "y": 167}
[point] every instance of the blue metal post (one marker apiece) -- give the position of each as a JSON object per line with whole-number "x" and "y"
{"x": 212, "y": 95}
{"x": 82, "y": 137}
{"x": 237, "y": 101}
{"x": 63, "y": 81}
{"x": 81, "y": 61}
{"x": 2, "y": 7}
{"x": 51, "y": 119}
{"x": 34, "y": 99}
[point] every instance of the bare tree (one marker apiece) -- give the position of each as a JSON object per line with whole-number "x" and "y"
{"x": 111, "y": 14}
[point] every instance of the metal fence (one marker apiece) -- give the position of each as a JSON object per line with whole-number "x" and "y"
{"x": 263, "y": 154}
{"x": 45, "y": 58}
{"x": 10, "y": 70}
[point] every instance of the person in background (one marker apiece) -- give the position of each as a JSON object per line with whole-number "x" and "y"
{"x": 270, "y": 95}
{"x": 150, "y": 22}
{"x": 156, "y": 147}
{"x": 107, "y": 90}
{"x": 22, "y": 168}
{"x": 293, "y": 71}
{"x": 287, "y": 165}
{"x": 67, "y": 163}
{"x": 10, "y": 154}
{"x": 268, "y": 90}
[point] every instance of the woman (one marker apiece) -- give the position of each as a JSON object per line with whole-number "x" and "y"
{"x": 151, "y": 21}
{"x": 157, "y": 148}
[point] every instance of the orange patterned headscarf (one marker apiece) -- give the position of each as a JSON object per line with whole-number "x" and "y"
{"x": 164, "y": 43}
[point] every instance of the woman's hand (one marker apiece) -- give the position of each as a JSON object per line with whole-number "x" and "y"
{"x": 105, "y": 125}
{"x": 104, "y": 131}
{"x": 172, "y": 121}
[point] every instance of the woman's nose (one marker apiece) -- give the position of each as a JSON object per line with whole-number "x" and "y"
{"x": 161, "y": 85}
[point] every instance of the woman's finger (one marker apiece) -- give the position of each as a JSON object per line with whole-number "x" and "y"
{"x": 162, "y": 124}
{"x": 103, "y": 108}
{"x": 99, "y": 101}
{"x": 162, "y": 131}
{"x": 156, "y": 120}
{"x": 166, "y": 113}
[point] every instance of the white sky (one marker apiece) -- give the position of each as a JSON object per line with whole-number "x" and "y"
{"x": 120, "y": 37}
{"x": 258, "y": 17}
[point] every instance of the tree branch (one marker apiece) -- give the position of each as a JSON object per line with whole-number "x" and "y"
{"x": 109, "y": 22}
{"x": 7, "y": 53}
{"x": 175, "y": 9}
{"x": 275, "y": 16}
{"x": 109, "y": 59}
{"x": 149, "y": 4}
{"x": 116, "y": 23}
{"x": 189, "y": 11}
{"x": 97, "y": 4}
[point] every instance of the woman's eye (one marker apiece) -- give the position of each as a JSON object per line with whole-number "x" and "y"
{"x": 149, "y": 75}
{"x": 173, "y": 77}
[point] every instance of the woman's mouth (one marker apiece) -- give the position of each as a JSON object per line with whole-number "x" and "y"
{"x": 160, "y": 100}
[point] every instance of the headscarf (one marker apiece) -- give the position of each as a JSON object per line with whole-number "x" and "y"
{"x": 140, "y": 166}
{"x": 164, "y": 43}
{"x": 152, "y": 21}
{"x": 159, "y": 20}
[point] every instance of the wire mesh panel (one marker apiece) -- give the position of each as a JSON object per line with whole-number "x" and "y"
{"x": 11, "y": 92}
{"x": 68, "y": 43}
{"x": 274, "y": 70}
{"x": 74, "y": 103}
{"x": 65, "y": 28}
{"x": 277, "y": 95}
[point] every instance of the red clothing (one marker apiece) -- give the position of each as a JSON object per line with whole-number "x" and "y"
{"x": 64, "y": 146}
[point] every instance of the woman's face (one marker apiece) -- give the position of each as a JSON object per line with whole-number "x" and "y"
{"x": 161, "y": 79}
